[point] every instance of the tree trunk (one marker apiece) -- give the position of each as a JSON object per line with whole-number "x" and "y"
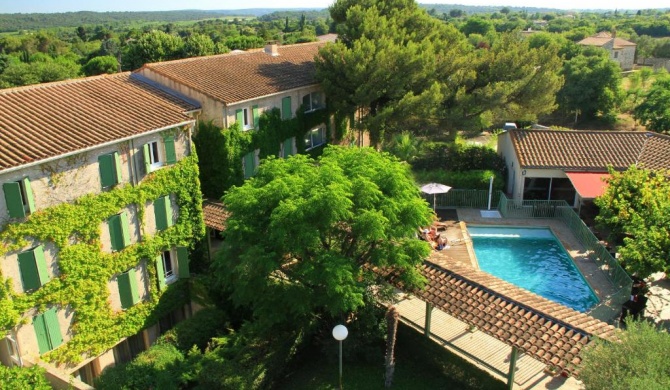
{"x": 392, "y": 316}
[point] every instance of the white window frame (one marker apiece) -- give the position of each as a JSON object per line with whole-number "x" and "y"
{"x": 248, "y": 120}
{"x": 170, "y": 276}
{"x": 309, "y": 139}
{"x": 13, "y": 350}
{"x": 156, "y": 157}
{"x": 311, "y": 101}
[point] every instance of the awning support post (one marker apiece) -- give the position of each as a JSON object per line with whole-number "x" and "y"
{"x": 426, "y": 327}
{"x": 512, "y": 368}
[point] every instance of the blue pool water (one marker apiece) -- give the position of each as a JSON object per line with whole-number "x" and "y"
{"x": 534, "y": 259}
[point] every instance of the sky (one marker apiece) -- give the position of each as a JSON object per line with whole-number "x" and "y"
{"x": 47, "y": 6}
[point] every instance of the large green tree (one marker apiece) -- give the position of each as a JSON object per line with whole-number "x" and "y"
{"x": 401, "y": 70}
{"x": 637, "y": 361}
{"x": 152, "y": 47}
{"x": 654, "y": 111}
{"x": 592, "y": 85}
{"x": 635, "y": 209}
{"x": 304, "y": 235}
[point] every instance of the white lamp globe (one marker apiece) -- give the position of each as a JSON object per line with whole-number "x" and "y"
{"x": 340, "y": 332}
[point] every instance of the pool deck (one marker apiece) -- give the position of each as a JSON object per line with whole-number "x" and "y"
{"x": 530, "y": 374}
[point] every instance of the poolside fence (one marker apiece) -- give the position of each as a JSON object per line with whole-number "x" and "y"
{"x": 608, "y": 307}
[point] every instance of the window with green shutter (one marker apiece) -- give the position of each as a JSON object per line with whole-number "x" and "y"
{"x": 110, "y": 169}
{"x": 47, "y": 330}
{"x": 183, "y": 262}
{"x": 119, "y": 231}
{"x": 33, "y": 268}
{"x": 163, "y": 212}
{"x": 160, "y": 272}
{"x": 286, "y": 112}
{"x": 256, "y": 115}
{"x": 19, "y": 198}
{"x": 287, "y": 148}
{"x": 170, "y": 153}
{"x": 249, "y": 162}
{"x": 239, "y": 118}
{"x": 128, "y": 291}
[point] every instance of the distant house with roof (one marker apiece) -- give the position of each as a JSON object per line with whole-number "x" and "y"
{"x": 94, "y": 174}
{"x": 621, "y": 50}
{"x": 571, "y": 165}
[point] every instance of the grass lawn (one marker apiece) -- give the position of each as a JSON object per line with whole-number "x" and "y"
{"x": 420, "y": 364}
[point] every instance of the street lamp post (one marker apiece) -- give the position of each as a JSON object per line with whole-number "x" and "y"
{"x": 340, "y": 333}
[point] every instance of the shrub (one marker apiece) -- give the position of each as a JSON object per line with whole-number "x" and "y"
{"x": 458, "y": 157}
{"x": 23, "y": 378}
{"x": 159, "y": 367}
{"x": 197, "y": 330}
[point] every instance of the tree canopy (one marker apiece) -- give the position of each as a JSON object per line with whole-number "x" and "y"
{"x": 404, "y": 70}
{"x": 304, "y": 234}
{"x": 635, "y": 209}
{"x": 638, "y": 361}
{"x": 592, "y": 84}
{"x": 654, "y": 111}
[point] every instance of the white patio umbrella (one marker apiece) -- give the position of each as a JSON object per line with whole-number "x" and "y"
{"x": 434, "y": 189}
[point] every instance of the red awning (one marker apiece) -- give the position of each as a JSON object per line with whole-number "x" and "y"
{"x": 589, "y": 185}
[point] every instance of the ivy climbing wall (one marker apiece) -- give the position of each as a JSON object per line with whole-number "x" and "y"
{"x": 73, "y": 234}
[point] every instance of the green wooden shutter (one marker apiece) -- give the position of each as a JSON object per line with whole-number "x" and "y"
{"x": 147, "y": 159}
{"x": 125, "y": 229}
{"x": 286, "y": 108}
{"x": 41, "y": 264}
{"x": 115, "y": 232}
{"x": 239, "y": 118}
{"x": 106, "y": 166}
{"x": 170, "y": 154}
{"x": 182, "y": 262}
{"x": 160, "y": 214}
{"x": 160, "y": 272}
{"x": 28, "y": 189}
{"x": 288, "y": 147}
{"x": 28, "y": 268}
{"x": 117, "y": 168}
{"x": 53, "y": 328}
{"x": 168, "y": 210}
{"x": 256, "y": 115}
{"x": 128, "y": 288}
{"x": 41, "y": 333}
{"x": 14, "y": 200}
{"x": 249, "y": 167}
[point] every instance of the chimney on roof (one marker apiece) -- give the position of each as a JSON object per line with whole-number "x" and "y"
{"x": 271, "y": 48}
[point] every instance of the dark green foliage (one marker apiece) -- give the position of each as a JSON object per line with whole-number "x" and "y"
{"x": 23, "y": 378}
{"x": 197, "y": 330}
{"x": 592, "y": 85}
{"x": 654, "y": 111}
{"x": 159, "y": 367}
{"x": 638, "y": 361}
{"x": 100, "y": 65}
{"x": 459, "y": 157}
{"x": 247, "y": 360}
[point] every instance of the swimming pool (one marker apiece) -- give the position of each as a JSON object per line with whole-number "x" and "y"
{"x": 534, "y": 259}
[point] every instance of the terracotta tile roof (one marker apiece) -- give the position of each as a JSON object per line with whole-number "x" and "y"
{"x": 47, "y": 120}
{"x": 236, "y": 77}
{"x": 545, "y": 330}
{"x": 215, "y": 214}
{"x": 602, "y": 38}
{"x": 590, "y": 150}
